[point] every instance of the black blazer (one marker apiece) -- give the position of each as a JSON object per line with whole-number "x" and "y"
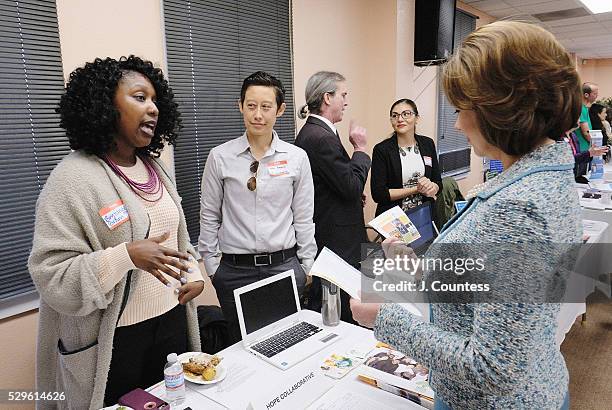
{"x": 387, "y": 169}
{"x": 339, "y": 181}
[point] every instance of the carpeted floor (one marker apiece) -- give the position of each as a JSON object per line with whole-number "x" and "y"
{"x": 587, "y": 349}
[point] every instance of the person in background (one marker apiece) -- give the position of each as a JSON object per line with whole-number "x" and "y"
{"x": 405, "y": 169}
{"x": 582, "y": 159}
{"x": 590, "y": 92}
{"x": 339, "y": 180}
{"x": 608, "y": 128}
{"x": 502, "y": 352}
{"x": 606, "y": 123}
{"x": 608, "y": 120}
{"x": 111, "y": 257}
{"x": 597, "y": 114}
{"x": 257, "y": 202}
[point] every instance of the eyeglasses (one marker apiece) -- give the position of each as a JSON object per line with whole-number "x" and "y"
{"x": 405, "y": 115}
{"x": 252, "y": 182}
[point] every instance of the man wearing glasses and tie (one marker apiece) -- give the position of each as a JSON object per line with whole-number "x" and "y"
{"x": 257, "y": 201}
{"x": 339, "y": 179}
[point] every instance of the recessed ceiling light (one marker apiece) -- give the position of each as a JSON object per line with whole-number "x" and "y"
{"x": 598, "y": 6}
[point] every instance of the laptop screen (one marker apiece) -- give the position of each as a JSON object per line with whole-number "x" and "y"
{"x": 421, "y": 218}
{"x": 267, "y": 304}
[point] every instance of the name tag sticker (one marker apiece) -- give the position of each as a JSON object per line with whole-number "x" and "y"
{"x": 114, "y": 214}
{"x": 278, "y": 168}
{"x": 427, "y": 161}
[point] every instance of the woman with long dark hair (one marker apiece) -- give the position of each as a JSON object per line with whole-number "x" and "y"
{"x": 597, "y": 113}
{"x": 405, "y": 169}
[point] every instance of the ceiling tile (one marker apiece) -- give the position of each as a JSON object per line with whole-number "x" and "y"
{"x": 502, "y": 13}
{"x": 521, "y": 3}
{"x": 588, "y": 36}
{"x": 548, "y": 6}
{"x": 593, "y": 31}
{"x": 490, "y": 5}
{"x": 576, "y": 20}
{"x": 604, "y": 16}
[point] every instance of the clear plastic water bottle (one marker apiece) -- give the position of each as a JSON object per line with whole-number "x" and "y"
{"x": 174, "y": 379}
{"x": 331, "y": 304}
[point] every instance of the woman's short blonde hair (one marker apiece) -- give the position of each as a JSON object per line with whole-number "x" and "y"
{"x": 520, "y": 82}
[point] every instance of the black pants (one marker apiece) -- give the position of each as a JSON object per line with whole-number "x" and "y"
{"x": 140, "y": 350}
{"x": 229, "y": 277}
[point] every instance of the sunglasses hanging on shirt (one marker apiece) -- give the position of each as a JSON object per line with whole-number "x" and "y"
{"x": 252, "y": 182}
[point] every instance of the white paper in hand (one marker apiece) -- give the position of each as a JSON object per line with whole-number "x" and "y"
{"x": 333, "y": 268}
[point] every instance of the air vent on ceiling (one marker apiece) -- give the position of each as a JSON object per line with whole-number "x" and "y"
{"x": 562, "y": 14}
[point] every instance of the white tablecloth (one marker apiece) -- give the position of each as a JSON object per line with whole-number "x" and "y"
{"x": 598, "y": 221}
{"x": 594, "y": 209}
{"x": 597, "y": 231}
{"x": 602, "y": 216}
{"x": 257, "y": 377}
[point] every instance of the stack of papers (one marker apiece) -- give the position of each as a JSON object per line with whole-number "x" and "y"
{"x": 396, "y": 369}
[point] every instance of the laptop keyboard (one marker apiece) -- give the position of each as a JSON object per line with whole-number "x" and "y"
{"x": 285, "y": 339}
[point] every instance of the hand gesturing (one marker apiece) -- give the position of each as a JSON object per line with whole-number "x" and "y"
{"x": 150, "y": 256}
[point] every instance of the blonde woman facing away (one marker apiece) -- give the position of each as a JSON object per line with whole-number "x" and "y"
{"x": 517, "y": 90}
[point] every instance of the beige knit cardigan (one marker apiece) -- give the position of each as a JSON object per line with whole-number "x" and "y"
{"x": 69, "y": 236}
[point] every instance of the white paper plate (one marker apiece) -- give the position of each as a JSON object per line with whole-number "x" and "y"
{"x": 221, "y": 370}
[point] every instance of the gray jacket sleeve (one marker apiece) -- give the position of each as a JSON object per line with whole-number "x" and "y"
{"x": 63, "y": 263}
{"x": 504, "y": 336}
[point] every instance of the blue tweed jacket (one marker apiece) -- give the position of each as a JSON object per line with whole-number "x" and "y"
{"x": 499, "y": 355}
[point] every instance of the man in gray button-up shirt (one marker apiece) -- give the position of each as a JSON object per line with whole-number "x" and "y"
{"x": 257, "y": 200}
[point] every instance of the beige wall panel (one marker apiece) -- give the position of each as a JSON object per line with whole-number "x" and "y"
{"x": 17, "y": 353}
{"x": 602, "y": 75}
{"x": 91, "y": 28}
{"x": 357, "y": 39}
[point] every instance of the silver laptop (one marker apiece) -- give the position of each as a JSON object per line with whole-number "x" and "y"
{"x": 270, "y": 323}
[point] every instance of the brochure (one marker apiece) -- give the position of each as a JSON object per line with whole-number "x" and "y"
{"x": 394, "y": 223}
{"x": 396, "y": 369}
{"x": 337, "y": 366}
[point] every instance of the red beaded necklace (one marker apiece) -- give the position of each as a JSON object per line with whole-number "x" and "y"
{"x": 153, "y": 186}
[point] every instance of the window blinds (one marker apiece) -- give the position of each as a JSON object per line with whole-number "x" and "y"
{"x": 453, "y": 149}
{"x": 211, "y": 47}
{"x": 31, "y": 142}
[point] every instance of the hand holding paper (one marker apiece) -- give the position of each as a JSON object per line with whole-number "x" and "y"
{"x": 333, "y": 268}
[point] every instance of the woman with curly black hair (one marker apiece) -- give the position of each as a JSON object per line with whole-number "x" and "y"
{"x": 109, "y": 225}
